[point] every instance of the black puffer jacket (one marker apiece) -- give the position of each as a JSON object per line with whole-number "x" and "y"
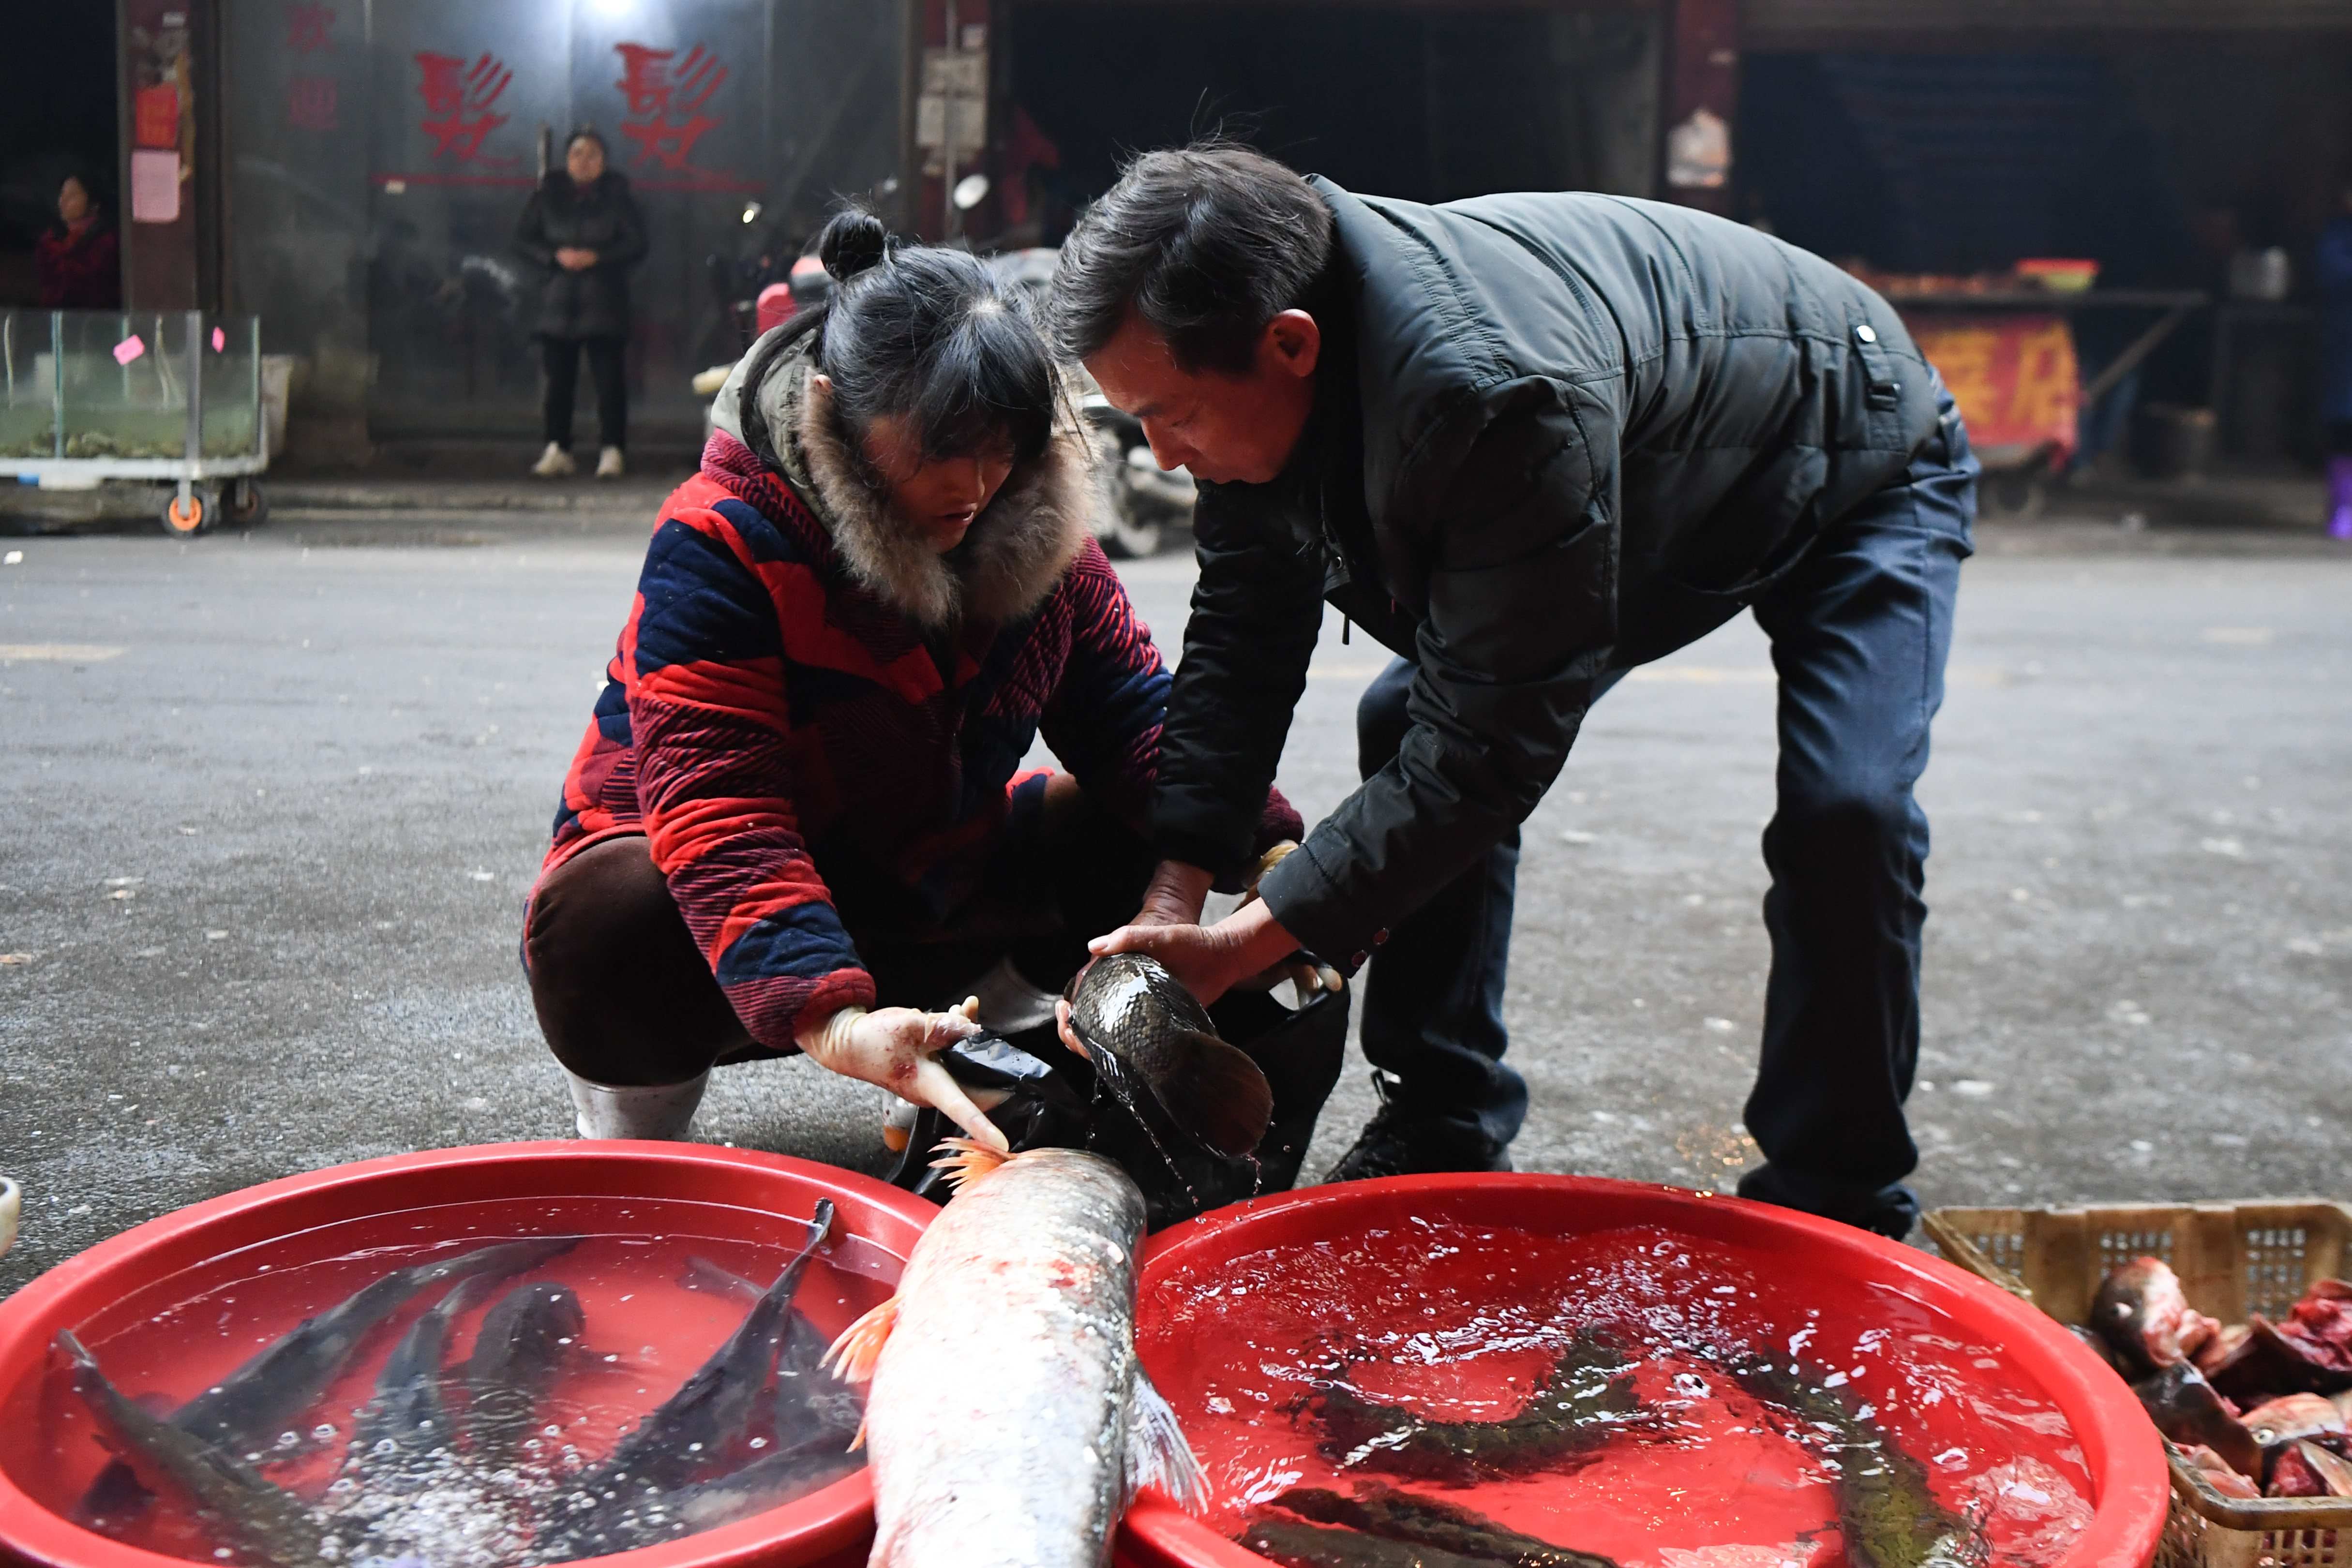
{"x": 595, "y": 301}
{"x": 1556, "y": 436}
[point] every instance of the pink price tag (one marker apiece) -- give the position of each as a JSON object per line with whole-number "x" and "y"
{"x": 128, "y": 349}
{"x": 220, "y": 340}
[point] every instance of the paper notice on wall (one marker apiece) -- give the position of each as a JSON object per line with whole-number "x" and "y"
{"x": 128, "y": 349}
{"x": 154, "y": 187}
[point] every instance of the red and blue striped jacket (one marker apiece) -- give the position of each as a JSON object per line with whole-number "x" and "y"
{"x": 807, "y": 755}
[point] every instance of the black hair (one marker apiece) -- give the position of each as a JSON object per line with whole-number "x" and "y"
{"x": 1206, "y": 243}
{"x": 587, "y": 133}
{"x": 920, "y": 333}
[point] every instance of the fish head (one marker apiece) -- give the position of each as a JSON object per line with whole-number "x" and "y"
{"x": 2140, "y": 1309}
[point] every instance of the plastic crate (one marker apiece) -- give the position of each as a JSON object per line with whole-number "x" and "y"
{"x": 2233, "y": 1260}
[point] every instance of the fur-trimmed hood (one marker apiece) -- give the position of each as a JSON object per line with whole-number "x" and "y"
{"x": 1009, "y": 561}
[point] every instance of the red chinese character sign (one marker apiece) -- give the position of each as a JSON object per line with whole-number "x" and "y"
{"x": 666, "y": 93}
{"x": 310, "y": 103}
{"x": 310, "y": 28}
{"x": 458, "y": 98}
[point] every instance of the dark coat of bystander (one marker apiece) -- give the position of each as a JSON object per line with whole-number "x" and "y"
{"x": 602, "y": 217}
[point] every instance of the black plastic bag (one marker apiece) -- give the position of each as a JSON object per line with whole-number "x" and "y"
{"x": 1056, "y": 1100}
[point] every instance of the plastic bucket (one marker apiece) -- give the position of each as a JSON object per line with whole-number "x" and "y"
{"x": 760, "y": 1197}
{"x": 2120, "y": 1449}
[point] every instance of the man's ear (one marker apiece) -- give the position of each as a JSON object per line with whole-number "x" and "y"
{"x": 1292, "y": 344}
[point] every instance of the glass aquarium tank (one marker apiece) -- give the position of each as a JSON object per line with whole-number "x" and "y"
{"x": 112, "y": 387}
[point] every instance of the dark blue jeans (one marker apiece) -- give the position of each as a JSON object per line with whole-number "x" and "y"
{"x": 1860, "y": 629}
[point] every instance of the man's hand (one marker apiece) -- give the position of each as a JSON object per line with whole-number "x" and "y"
{"x": 898, "y": 1048}
{"x": 1209, "y": 960}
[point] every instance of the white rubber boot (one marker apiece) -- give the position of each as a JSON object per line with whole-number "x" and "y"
{"x": 553, "y": 463}
{"x": 662, "y": 1112}
{"x": 1009, "y": 1003}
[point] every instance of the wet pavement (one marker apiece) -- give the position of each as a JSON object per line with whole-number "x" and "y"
{"x": 273, "y": 803}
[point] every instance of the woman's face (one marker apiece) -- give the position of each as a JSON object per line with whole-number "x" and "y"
{"x": 73, "y": 200}
{"x": 585, "y": 160}
{"x": 939, "y": 496}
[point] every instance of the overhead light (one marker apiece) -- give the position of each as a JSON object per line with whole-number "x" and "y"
{"x": 970, "y": 192}
{"x": 750, "y": 212}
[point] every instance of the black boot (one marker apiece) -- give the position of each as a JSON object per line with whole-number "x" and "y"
{"x": 1398, "y": 1141}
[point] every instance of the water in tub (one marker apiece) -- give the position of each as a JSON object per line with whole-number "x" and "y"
{"x": 484, "y": 1385}
{"x": 1634, "y": 1396}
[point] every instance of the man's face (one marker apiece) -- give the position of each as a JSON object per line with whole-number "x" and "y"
{"x": 1224, "y": 428}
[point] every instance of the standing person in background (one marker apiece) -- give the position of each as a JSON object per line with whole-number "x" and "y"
{"x": 583, "y": 231}
{"x": 77, "y": 260}
{"x": 2336, "y": 399}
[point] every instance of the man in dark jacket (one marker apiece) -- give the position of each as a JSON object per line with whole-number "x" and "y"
{"x": 582, "y": 229}
{"x": 1530, "y": 442}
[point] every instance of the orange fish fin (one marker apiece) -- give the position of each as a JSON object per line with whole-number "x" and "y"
{"x": 968, "y": 1162}
{"x": 852, "y": 1356}
{"x": 858, "y": 1442}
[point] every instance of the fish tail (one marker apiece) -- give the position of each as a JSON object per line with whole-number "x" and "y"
{"x": 969, "y": 1162}
{"x": 1218, "y": 1095}
{"x": 852, "y": 1356}
{"x": 1157, "y": 1453}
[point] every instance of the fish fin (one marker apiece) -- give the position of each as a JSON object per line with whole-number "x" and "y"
{"x": 1157, "y": 1453}
{"x": 1219, "y": 1096}
{"x": 852, "y": 1356}
{"x": 701, "y": 1274}
{"x": 969, "y": 1162}
{"x": 858, "y": 1442}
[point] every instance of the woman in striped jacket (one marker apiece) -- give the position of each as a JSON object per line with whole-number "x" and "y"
{"x": 797, "y": 820}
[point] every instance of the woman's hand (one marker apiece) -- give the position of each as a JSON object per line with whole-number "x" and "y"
{"x": 898, "y": 1049}
{"x": 572, "y": 258}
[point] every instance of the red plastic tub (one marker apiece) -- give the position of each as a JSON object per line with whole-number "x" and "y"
{"x": 697, "y": 1191}
{"x": 1285, "y": 1247}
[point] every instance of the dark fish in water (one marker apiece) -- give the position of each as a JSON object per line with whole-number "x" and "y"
{"x": 1140, "y": 1025}
{"x": 2306, "y": 1469}
{"x": 1584, "y": 1403}
{"x": 810, "y": 1404}
{"x": 246, "y": 1409}
{"x": 690, "y": 1431}
{"x": 1295, "y": 1545}
{"x": 1887, "y": 1515}
{"x": 2141, "y": 1311}
{"x": 764, "y": 1483}
{"x": 266, "y": 1522}
{"x": 408, "y": 1417}
{"x": 516, "y": 1354}
{"x": 2186, "y": 1409}
{"x": 1401, "y": 1516}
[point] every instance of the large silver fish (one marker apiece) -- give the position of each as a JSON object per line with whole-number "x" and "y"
{"x": 1008, "y": 1421}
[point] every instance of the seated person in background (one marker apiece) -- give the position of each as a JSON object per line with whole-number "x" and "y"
{"x": 797, "y": 806}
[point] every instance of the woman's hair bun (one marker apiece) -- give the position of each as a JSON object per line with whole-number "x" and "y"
{"x": 853, "y": 240}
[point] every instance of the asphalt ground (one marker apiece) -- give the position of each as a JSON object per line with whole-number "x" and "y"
{"x": 273, "y": 803}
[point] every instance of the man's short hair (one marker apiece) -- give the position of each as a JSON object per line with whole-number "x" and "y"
{"x": 1206, "y": 243}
